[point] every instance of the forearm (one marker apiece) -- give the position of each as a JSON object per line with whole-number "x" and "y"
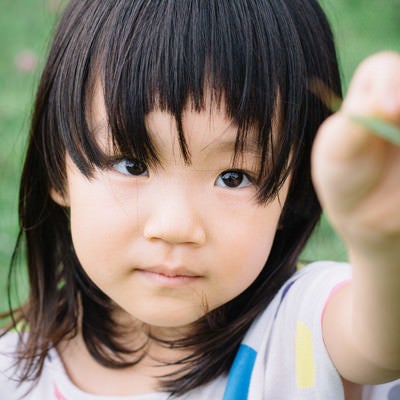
{"x": 376, "y": 307}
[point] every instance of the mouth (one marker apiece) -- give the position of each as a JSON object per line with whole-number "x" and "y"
{"x": 168, "y": 276}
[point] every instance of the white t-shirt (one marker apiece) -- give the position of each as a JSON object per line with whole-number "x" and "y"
{"x": 282, "y": 356}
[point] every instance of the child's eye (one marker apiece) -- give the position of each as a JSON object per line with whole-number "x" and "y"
{"x": 131, "y": 167}
{"x": 233, "y": 179}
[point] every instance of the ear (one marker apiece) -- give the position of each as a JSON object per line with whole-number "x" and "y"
{"x": 60, "y": 198}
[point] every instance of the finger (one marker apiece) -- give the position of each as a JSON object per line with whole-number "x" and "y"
{"x": 375, "y": 88}
{"x": 346, "y": 161}
{"x": 374, "y": 92}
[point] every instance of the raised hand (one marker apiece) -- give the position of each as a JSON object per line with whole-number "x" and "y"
{"x": 356, "y": 172}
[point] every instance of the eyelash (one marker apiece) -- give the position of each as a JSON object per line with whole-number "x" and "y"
{"x": 230, "y": 179}
{"x": 122, "y": 165}
{"x": 234, "y": 175}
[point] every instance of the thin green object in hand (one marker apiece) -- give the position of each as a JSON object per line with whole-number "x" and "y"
{"x": 333, "y": 102}
{"x": 379, "y": 127}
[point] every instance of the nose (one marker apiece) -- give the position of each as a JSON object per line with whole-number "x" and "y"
{"x": 174, "y": 217}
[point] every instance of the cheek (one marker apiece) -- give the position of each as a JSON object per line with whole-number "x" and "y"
{"x": 245, "y": 254}
{"x": 250, "y": 255}
{"x": 99, "y": 231}
{"x": 90, "y": 239}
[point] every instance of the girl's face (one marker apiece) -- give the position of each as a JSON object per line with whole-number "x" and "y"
{"x": 170, "y": 243}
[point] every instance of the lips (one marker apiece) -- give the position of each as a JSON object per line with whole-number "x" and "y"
{"x": 167, "y": 277}
{"x": 170, "y": 272}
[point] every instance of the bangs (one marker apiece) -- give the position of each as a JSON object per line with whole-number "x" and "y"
{"x": 171, "y": 55}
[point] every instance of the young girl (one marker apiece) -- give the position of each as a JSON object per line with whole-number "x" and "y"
{"x": 166, "y": 196}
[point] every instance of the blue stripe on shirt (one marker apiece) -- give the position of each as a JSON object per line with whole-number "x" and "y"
{"x": 238, "y": 384}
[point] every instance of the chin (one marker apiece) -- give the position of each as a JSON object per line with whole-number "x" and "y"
{"x": 171, "y": 319}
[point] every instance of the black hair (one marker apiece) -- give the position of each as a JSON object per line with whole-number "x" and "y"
{"x": 258, "y": 57}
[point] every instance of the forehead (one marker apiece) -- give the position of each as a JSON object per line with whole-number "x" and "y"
{"x": 207, "y": 129}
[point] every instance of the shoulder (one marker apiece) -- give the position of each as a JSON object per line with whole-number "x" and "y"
{"x": 315, "y": 283}
{"x": 10, "y": 386}
{"x": 289, "y": 336}
{"x": 325, "y": 273}
{"x": 8, "y": 348}
{"x": 311, "y": 285}
{"x": 303, "y": 298}
{"x": 7, "y": 339}
{"x": 305, "y": 294}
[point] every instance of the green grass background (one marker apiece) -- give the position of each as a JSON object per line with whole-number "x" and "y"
{"x": 361, "y": 27}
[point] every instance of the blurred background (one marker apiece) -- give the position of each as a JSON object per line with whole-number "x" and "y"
{"x": 361, "y": 27}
